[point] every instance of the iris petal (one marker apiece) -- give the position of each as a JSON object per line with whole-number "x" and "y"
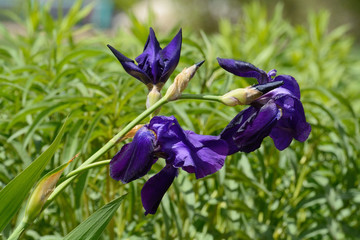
{"x": 292, "y": 124}
{"x": 130, "y": 66}
{"x": 247, "y": 130}
{"x": 169, "y": 57}
{"x": 243, "y": 69}
{"x": 149, "y": 59}
{"x": 134, "y": 159}
{"x": 155, "y": 188}
{"x": 199, "y": 154}
{"x": 290, "y": 84}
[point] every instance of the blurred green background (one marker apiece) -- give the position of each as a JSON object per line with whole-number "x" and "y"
{"x": 54, "y": 61}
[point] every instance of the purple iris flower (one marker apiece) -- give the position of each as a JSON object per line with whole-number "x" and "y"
{"x": 163, "y": 137}
{"x": 278, "y": 113}
{"x": 155, "y": 65}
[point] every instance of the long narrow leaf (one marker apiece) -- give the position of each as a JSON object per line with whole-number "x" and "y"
{"x": 94, "y": 225}
{"x": 13, "y": 194}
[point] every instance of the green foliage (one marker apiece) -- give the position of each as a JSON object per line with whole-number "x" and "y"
{"x": 310, "y": 190}
{"x": 94, "y": 225}
{"x": 14, "y": 193}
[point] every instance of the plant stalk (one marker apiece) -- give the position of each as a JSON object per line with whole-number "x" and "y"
{"x": 86, "y": 165}
{"x": 19, "y": 230}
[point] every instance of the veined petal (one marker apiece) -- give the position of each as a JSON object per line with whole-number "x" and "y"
{"x": 169, "y": 57}
{"x": 238, "y": 123}
{"x": 199, "y": 154}
{"x": 134, "y": 159}
{"x": 155, "y": 188}
{"x": 149, "y": 59}
{"x": 247, "y": 130}
{"x": 292, "y": 124}
{"x": 290, "y": 84}
{"x": 130, "y": 66}
{"x": 243, "y": 69}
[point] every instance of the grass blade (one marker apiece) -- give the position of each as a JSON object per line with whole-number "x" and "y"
{"x": 94, "y": 225}
{"x": 14, "y": 193}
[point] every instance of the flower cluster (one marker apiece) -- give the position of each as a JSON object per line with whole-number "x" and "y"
{"x": 278, "y": 113}
{"x": 275, "y": 110}
{"x": 163, "y": 137}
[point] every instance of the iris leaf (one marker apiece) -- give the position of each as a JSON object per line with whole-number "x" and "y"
{"x": 94, "y": 225}
{"x": 14, "y": 193}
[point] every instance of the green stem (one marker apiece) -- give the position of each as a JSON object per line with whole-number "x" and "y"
{"x": 106, "y": 147}
{"x": 71, "y": 176}
{"x": 125, "y": 130}
{"x": 85, "y": 168}
{"x": 201, "y": 97}
{"x": 18, "y": 230}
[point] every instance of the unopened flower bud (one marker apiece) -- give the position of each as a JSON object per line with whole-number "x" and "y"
{"x": 181, "y": 81}
{"x": 240, "y": 96}
{"x": 245, "y": 96}
{"x": 42, "y": 192}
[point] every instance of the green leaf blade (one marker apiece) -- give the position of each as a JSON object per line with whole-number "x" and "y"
{"x": 14, "y": 193}
{"x": 94, "y": 225}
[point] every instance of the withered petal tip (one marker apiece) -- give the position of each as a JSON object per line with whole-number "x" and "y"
{"x": 199, "y": 63}
{"x": 267, "y": 87}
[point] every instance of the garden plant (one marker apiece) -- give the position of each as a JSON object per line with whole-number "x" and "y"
{"x": 185, "y": 135}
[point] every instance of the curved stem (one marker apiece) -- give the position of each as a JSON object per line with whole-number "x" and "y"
{"x": 83, "y": 167}
{"x": 18, "y": 230}
{"x": 201, "y": 97}
{"x": 106, "y": 147}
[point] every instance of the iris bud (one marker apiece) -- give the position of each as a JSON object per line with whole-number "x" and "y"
{"x": 240, "y": 96}
{"x": 245, "y": 96}
{"x": 42, "y": 192}
{"x": 181, "y": 81}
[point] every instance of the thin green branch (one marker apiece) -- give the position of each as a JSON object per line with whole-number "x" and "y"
{"x": 83, "y": 169}
{"x": 18, "y": 230}
{"x": 86, "y": 165}
{"x": 201, "y": 97}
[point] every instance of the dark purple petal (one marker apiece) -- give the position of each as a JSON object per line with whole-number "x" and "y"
{"x": 134, "y": 159}
{"x": 290, "y": 84}
{"x": 247, "y": 130}
{"x": 130, "y": 66}
{"x": 169, "y": 57}
{"x": 155, "y": 188}
{"x": 292, "y": 123}
{"x": 199, "y": 154}
{"x": 243, "y": 69}
{"x": 272, "y": 73}
{"x": 149, "y": 59}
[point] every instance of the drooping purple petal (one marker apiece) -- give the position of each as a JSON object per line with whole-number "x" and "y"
{"x": 243, "y": 69}
{"x": 169, "y": 57}
{"x": 149, "y": 59}
{"x": 290, "y": 84}
{"x": 292, "y": 124}
{"x": 130, "y": 66}
{"x": 199, "y": 154}
{"x": 247, "y": 130}
{"x": 134, "y": 159}
{"x": 238, "y": 123}
{"x": 155, "y": 188}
